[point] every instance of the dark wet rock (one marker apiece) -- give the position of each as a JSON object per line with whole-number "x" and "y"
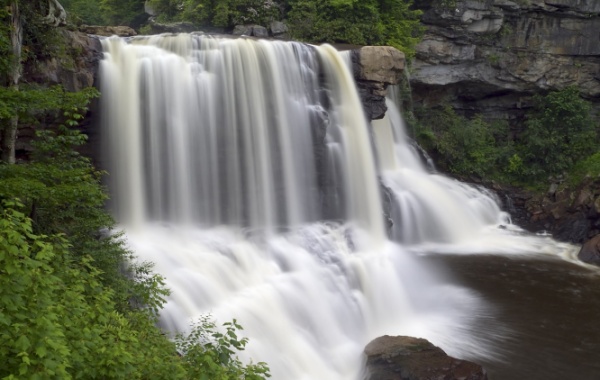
{"x": 408, "y": 358}
{"x": 590, "y": 251}
{"x": 574, "y": 228}
{"x": 570, "y": 214}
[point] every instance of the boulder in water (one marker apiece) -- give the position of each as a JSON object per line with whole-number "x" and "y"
{"x": 590, "y": 251}
{"x": 408, "y": 358}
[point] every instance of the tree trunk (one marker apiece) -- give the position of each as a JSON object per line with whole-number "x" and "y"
{"x": 9, "y": 132}
{"x": 56, "y": 14}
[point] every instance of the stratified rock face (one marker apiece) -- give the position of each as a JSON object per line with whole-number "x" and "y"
{"x": 407, "y": 358}
{"x": 590, "y": 252}
{"x": 491, "y": 56}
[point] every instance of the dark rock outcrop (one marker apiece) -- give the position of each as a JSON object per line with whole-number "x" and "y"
{"x": 375, "y": 68}
{"x": 279, "y": 30}
{"x": 407, "y": 358}
{"x": 570, "y": 214}
{"x": 590, "y": 251}
{"x": 251, "y": 30}
{"x": 491, "y": 56}
{"x": 74, "y": 70}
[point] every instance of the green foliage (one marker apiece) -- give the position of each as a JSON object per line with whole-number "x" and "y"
{"x": 69, "y": 308}
{"x": 87, "y": 12}
{"x": 6, "y": 54}
{"x": 73, "y": 305}
{"x": 371, "y": 22}
{"x": 30, "y": 100}
{"x": 219, "y": 13}
{"x": 123, "y": 12}
{"x": 588, "y": 167}
{"x": 59, "y": 322}
{"x": 560, "y": 136}
{"x": 560, "y": 131}
{"x": 210, "y": 354}
{"x": 466, "y": 147}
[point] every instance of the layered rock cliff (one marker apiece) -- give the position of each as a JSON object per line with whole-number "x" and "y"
{"x": 490, "y": 56}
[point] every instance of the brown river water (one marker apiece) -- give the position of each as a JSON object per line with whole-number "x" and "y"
{"x": 546, "y": 323}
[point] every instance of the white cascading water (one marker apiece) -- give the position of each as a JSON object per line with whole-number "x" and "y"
{"x": 245, "y": 171}
{"x": 428, "y": 207}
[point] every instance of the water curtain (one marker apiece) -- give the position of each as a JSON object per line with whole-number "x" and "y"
{"x": 246, "y": 171}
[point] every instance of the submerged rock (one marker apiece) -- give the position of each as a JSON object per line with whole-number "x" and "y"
{"x": 408, "y": 358}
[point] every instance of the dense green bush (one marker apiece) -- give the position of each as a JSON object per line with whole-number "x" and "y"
{"x": 59, "y": 322}
{"x": 370, "y": 22}
{"x": 465, "y": 147}
{"x": 123, "y": 12}
{"x": 84, "y": 12}
{"x": 559, "y": 132}
{"x": 558, "y": 137}
{"x": 68, "y": 308}
{"x": 367, "y": 22}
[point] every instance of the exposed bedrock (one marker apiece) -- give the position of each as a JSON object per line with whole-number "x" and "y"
{"x": 375, "y": 68}
{"x": 491, "y": 56}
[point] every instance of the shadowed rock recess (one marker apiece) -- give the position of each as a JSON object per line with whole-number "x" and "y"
{"x": 407, "y": 358}
{"x": 491, "y": 56}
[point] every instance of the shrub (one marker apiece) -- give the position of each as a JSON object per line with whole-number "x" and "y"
{"x": 559, "y": 132}
{"x": 465, "y": 147}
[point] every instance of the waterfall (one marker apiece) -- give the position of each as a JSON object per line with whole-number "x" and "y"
{"x": 245, "y": 171}
{"x": 425, "y": 206}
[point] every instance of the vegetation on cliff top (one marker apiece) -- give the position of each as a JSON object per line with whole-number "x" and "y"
{"x": 361, "y": 22}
